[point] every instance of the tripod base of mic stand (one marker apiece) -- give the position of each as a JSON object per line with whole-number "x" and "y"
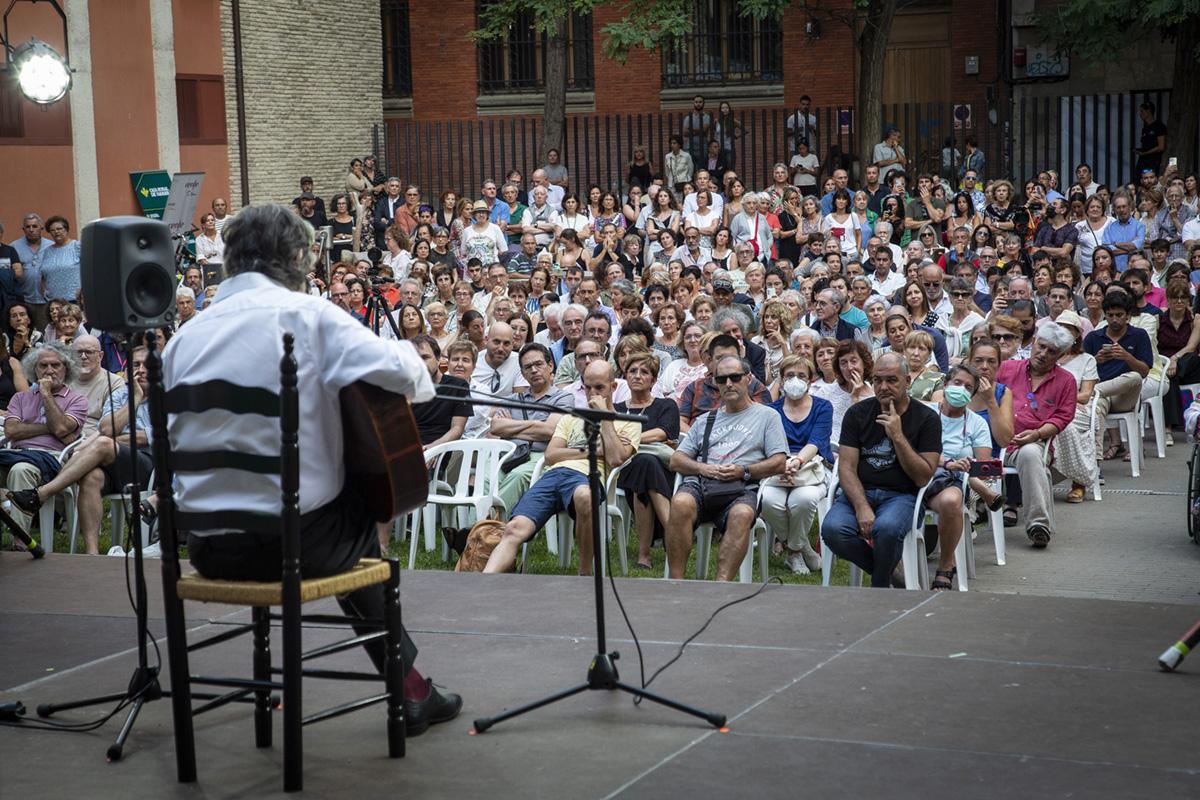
{"x": 143, "y": 687}
{"x": 601, "y": 675}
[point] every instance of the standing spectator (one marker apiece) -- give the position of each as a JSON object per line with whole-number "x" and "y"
{"x": 11, "y": 272}
{"x": 373, "y": 174}
{"x": 889, "y": 155}
{"x": 387, "y": 207}
{"x": 727, "y": 130}
{"x": 1153, "y": 142}
{"x": 60, "y": 263}
{"x": 733, "y": 447}
{"x": 890, "y": 446}
{"x": 210, "y": 247}
{"x": 697, "y": 129}
{"x": 1043, "y": 404}
{"x": 555, "y": 172}
{"x": 220, "y": 209}
{"x": 31, "y": 247}
{"x": 802, "y": 126}
{"x": 804, "y": 167}
{"x": 356, "y": 182}
{"x": 679, "y": 166}
{"x": 973, "y": 162}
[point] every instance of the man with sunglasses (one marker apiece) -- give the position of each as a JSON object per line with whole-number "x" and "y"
{"x": 932, "y": 278}
{"x": 740, "y": 441}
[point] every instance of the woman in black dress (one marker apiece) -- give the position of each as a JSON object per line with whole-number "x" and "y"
{"x": 342, "y": 222}
{"x": 645, "y": 478}
{"x": 12, "y": 376}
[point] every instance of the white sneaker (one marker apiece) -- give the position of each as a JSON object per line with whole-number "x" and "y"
{"x": 795, "y": 562}
{"x": 1170, "y": 439}
{"x": 812, "y": 559}
{"x": 116, "y": 550}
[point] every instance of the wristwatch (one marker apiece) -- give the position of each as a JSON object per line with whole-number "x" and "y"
{"x": 745, "y": 473}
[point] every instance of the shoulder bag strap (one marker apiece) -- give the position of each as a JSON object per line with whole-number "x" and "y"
{"x": 708, "y": 426}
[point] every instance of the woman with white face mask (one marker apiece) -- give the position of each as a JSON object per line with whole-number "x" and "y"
{"x": 789, "y": 501}
{"x": 965, "y": 438}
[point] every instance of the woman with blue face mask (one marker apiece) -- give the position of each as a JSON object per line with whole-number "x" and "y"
{"x": 789, "y": 501}
{"x": 965, "y": 438}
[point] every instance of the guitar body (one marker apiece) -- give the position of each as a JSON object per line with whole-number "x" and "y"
{"x": 383, "y": 453}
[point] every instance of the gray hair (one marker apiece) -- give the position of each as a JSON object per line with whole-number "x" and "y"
{"x": 578, "y": 308}
{"x": 836, "y": 295}
{"x": 66, "y": 354}
{"x": 877, "y": 300}
{"x": 739, "y": 316}
{"x": 553, "y": 310}
{"x": 1021, "y": 279}
{"x": 805, "y": 333}
{"x": 961, "y": 285}
{"x": 623, "y": 285}
{"x": 1056, "y": 336}
{"x": 185, "y": 291}
{"x": 790, "y": 294}
{"x": 880, "y": 226}
{"x": 270, "y": 240}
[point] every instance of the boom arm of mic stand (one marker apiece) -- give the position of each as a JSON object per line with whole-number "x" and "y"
{"x": 591, "y": 414}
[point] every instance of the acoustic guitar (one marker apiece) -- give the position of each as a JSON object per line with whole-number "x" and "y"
{"x": 383, "y": 450}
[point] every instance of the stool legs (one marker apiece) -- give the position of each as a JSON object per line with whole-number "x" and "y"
{"x": 394, "y": 677}
{"x": 262, "y": 672}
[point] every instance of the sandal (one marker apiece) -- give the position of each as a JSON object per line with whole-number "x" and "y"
{"x": 1113, "y": 451}
{"x": 1010, "y": 517}
{"x": 643, "y": 565}
{"x": 943, "y": 580}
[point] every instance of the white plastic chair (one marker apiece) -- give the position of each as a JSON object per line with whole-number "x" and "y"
{"x": 1130, "y": 425}
{"x": 46, "y": 512}
{"x": 560, "y": 529}
{"x": 1153, "y": 407}
{"x": 758, "y": 538}
{"x": 911, "y": 557}
{"x": 470, "y": 485}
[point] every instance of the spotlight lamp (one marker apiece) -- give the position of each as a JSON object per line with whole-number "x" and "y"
{"x": 43, "y": 76}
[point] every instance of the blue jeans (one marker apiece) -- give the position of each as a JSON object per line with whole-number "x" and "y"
{"x": 893, "y": 520}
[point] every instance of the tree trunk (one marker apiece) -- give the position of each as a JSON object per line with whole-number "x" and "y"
{"x": 1185, "y": 98}
{"x": 872, "y": 46}
{"x": 555, "y": 113}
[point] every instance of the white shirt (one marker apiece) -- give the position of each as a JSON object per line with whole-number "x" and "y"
{"x": 620, "y": 394}
{"x": 888, "y": 286}
{"x": 238, "y": 338}
{"x": 809, "y": 161}
{"x": 689, "y": 207}
{"x": 487, "y": 381}
{"x": 1191, "y": 230}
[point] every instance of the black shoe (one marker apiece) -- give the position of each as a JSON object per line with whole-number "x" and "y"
{"x": 1039, "y": 537}
{"x": 435, "y": 708}
{"x": 26, "y": 499}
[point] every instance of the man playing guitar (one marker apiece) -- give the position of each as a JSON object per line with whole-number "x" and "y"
{"x": 268, "y": 251}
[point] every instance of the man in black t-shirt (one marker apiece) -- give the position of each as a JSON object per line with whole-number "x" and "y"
{"x": 1153, "y": 141}
{"x": 440, "y": 420}
{"x": 889, "y": 448}
{"x": 11, "y": 272}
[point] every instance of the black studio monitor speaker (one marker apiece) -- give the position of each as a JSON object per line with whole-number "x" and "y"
{"x": 128, "y": 274}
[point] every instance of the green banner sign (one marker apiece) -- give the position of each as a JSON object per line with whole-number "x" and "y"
{"x": 152, "y": 190}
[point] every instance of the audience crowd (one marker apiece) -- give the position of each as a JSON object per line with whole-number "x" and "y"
{"x": 821, "y": 342}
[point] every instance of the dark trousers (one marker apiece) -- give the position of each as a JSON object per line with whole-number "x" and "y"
{"x": 332, "y": 539}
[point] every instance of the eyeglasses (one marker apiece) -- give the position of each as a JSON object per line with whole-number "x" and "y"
{"x": 586, "y": 356}
{"x": 1004, "y": 337}
{"x": 927, "y": 234}
{"x": 87, "y": 353}
{"x": 533, "y": 365}
{"x": 960, "y": 294}
{"x": 733, "y": 376}
{"x": 931, "y": 284}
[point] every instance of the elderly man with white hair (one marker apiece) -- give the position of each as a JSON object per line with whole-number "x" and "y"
{"x": 750, "y": 226}
{"x": 185, "y": 305}
{"x": 1043, "y": 404}
{"x": 94, "y": 382}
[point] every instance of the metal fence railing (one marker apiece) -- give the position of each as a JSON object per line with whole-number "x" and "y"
{"x": 516, "y": 63}
{"x": 1017, "y": 140}
{"x": 724, "y": 47}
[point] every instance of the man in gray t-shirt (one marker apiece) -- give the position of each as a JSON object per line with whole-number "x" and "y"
{"x": 746, "y": 443}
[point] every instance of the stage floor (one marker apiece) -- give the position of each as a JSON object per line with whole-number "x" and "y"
{"x": 829, "y": 692}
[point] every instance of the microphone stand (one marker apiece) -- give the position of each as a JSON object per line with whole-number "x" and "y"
{"x": 602, "y": 671}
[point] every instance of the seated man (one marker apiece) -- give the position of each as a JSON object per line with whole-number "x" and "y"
{"x": 93, "y": 382}
{"x": 41, "y": 421}
{"x": 741, "y": 441}
{"x": 890, "y": 446}
{"x": 440, "y": 420}
{"x": 534, "y": 427}
{"x": 564, "y": 484}
{"x": 268, "y": 251}
{"x": 588, "y": 352}
{"x": 1043, "y": 404}
{"x": 703, "y": 395}
{"x": 101, "y": 465}
{"x": 1123, "y": 359}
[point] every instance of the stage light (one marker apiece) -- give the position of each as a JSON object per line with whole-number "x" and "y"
{"x": 42, "y": 74}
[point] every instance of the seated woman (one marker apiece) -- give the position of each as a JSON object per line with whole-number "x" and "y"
{"x": 789, "y": 502}
{"x": 876, "y": 308}
{"x": 923, "y": 376}
{"x": 773, "y": 337}
{"x": 682, "y": 372}
{"x": 965, "y": 438}
{"x": 644, "y": 478}
{"x": 962, "y": 319}
{"x": 994, "y": 402}
{"x": 852, "y": 366}
{"x": 1075, "y": 445}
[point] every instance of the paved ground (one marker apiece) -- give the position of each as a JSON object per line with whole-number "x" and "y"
{"x": 1132, "y": 545}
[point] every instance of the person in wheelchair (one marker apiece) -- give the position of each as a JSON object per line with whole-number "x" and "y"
{"x": 268, "y": 252}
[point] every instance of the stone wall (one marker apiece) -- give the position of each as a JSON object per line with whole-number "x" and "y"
{"x": 313, "y": 92}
